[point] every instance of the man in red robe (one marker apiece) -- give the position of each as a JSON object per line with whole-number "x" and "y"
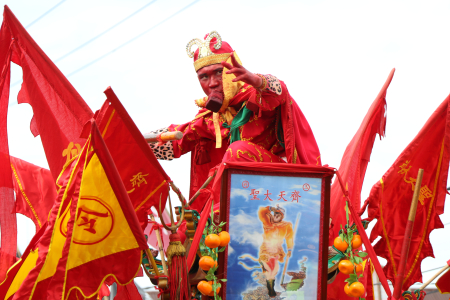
{"x": 244, "y": 117}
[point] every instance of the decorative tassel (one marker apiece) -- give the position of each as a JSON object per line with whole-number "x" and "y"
{"x": 178, "y": 272}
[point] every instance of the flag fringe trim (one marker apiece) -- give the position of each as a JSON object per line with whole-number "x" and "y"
{"x": 25, "y": 195}
{"x": 6, "y": 275}
{"x": 103, "y": 280}
{"x": 63, "y": 169}
{"x": 64, "y": 198}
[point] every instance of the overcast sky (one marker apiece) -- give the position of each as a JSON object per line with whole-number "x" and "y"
{"x": 334, "y": 57}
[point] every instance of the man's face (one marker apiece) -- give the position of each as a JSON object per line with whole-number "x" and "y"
{"x": 277, "y": 217}
{"x": 210, "y": 78}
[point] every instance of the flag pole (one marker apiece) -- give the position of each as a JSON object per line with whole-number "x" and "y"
{"x": 434, "y": 277}
{"x": 160, "y": 244}
{"x": 287, "y": 258}
{"x": 407, "y": 239}
{"x": 208, "y": 180}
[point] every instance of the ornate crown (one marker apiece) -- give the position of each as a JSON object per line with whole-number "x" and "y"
{"x": 205, "y": 56}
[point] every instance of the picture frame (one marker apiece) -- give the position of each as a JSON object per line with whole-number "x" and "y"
{"x": 264, "y": 231}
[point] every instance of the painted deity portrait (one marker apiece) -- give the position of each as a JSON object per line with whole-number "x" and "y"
{"x": 274, "y": 223}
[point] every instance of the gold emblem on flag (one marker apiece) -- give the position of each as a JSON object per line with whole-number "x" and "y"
{"x": 94, "y": 221}
{"x": 137, "y": 180}
{"x": 71, "y": 152}
{"x": 425, "y": 192}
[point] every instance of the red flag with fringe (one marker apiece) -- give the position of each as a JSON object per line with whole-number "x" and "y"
{"x": 353, "y": 169}
{"x": 390, "y": 198}
{"x": 59, "y": 115}
{"x": 96, "y": 233}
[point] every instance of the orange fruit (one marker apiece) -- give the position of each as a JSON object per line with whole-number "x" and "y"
{"x": 356, "y": 241}
{"x": 347, "y": 290}
{"x": 224, "y": 238}
{"x": 204, "y": 287}
{"x": 212, "y": 241}
{"x": 211, "y": 294}
{"x": 346, "y": 266}
{"x": 206, "y": 263}
{"x": 357, "y": 289}
{"x": 340, "y": 244}
{"x": 358, "y": 268}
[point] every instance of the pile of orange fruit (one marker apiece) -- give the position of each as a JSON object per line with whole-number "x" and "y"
{"x": 355, "y": 289}
{"x": 207, "y": 262}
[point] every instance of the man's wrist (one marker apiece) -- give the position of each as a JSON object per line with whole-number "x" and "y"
{"x": 260, "y": 82}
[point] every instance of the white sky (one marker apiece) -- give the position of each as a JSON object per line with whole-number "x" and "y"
{"x": 333, "y": 55}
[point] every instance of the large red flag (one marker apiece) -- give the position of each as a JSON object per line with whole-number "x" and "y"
{"x": 96, "y": 235}
{"x": 59, "y": 111}
{"x": 35, "y": 191}
{"x": 142, "y": 175}
{"x": 390, "y": 198}
{"x": 59, "y": 115}
{"x": 353, "y": 169}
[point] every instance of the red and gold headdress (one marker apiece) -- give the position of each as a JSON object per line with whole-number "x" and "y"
{"x": 214, "y": 51}
{"x": 210, "y": 51}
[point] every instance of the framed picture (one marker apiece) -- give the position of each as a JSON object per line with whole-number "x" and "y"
{"x": 276, "y": 220}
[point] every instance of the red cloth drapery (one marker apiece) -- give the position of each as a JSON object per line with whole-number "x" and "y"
{"x": 390, "y": 198}
{"x": 353, "y": 169}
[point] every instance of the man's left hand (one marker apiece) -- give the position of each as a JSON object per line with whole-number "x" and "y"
{"x": 289, "y": 253}
{"x": 241, "y": 73}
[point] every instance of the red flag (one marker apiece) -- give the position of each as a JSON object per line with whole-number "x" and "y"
{"x": 59, "y": 111}
{"x": 59, "y": 115}
{"x": 96, "y": 235}
{"x": 36, "y": 251}
{"x": 353, "y": 169}
{"x": 35, "y": 191}
{"x": 142, "y": 175}
{"x": 443, "y": 283}
{"x": 390, "y": 198}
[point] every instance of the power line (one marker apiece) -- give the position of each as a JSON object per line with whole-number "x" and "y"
{"x": 124, "y": 44}
{"x": 46, "y": 13}
{"x": 132, "y": 40}
{"x": 104, "y": 32}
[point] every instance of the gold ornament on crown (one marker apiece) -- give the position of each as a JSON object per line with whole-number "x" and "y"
{"x": 205, "y": 56}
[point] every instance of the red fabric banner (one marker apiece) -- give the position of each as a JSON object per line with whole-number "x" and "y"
{"x": 35, "y": 191}
{"x": 352, "y": 170}
{"x": 8, "y": 224}
{"x": 59, "y": 115}
{"x": 94, "y": 234}
{"x": 59, "y": 111}
{"x": 390, "y": 198}
{"x": 142, "y": 175}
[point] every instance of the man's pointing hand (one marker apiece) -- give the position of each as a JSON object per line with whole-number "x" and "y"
{"x": 241, "y": 73}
